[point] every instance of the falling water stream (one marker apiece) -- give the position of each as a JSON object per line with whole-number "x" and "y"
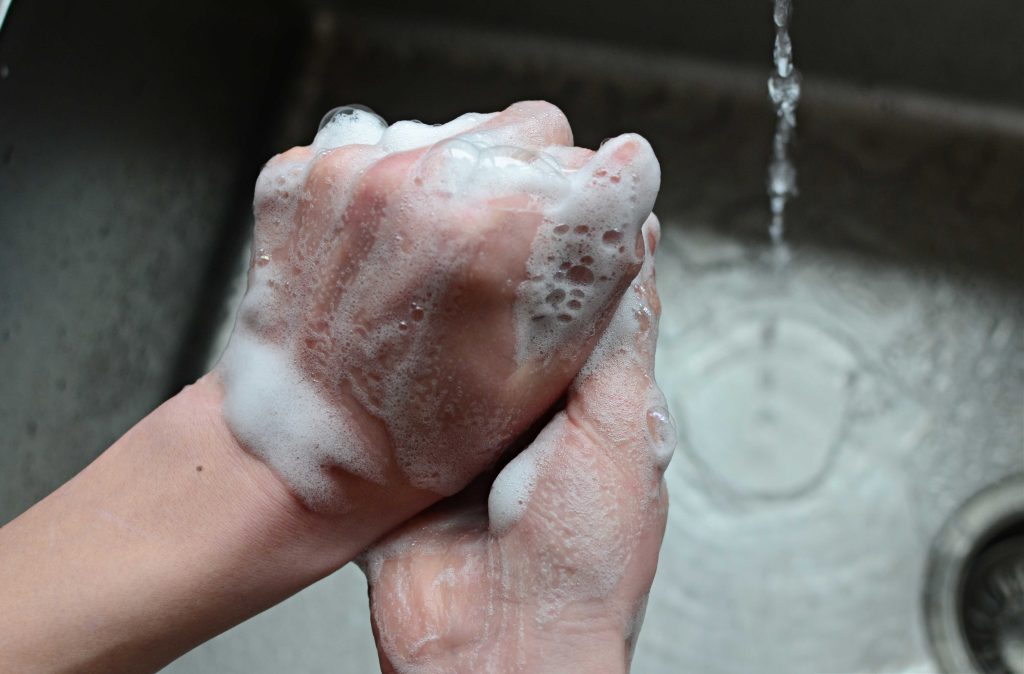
{"x": 784, "y": 90}
{"x": 793, "y": 437}
{"x": 784, "y": 382}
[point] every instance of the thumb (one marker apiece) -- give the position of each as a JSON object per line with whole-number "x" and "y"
{"x": 615, "y": 437}
{"x": 615, "y": 396}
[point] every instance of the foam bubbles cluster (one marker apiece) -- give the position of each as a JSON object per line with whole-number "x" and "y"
{"x": 621, "y": 396}
{"x": 358, "y": 346}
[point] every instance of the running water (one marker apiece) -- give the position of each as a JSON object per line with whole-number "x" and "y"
{"x": 784, "y": 91}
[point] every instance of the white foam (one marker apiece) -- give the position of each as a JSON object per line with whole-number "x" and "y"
{"x": 355, "y": 127}
{"x": 473, "y": 167}
{"x": 409, "y": 135}
{"x": 280, "y": 416}
{"x": 629, "y": 342}
{"x": 511, "y": 490}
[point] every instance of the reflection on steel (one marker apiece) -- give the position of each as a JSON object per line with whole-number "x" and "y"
{"x": 974, "y": 593}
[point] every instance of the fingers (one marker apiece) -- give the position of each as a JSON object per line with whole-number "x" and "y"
{"x": 353, "y": 126}
{"x": 529, "y": 124}
{"x": 585, "y": 499}
{"x": 330, "y": 187}
{"x": 576, "y": 518}
{"x": 586, "y": 251}
{"x": 570, "y": 158}
{"x": 408, "y": 135}
{"x": 277, "y": 190}
{"x": 470, "y": 166}
{"x": 610, "y": 399}
{"x": 510, "y": 493}
{"x": 616, "y": 416}
{"x": 579, "y": 528}
{"x": 532, "y": 124}
{"x": 615, "y": 397}
{"x": 340, "y": 295}
{"x": 616, "y": 188}
{"x": 501, "y": 155}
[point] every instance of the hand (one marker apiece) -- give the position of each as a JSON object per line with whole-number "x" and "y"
{"x": 419, "y": 295}
{"x": 551, "y": 572}
{"x": 408, "y": 315}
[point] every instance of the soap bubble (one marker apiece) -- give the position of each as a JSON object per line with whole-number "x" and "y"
{"x": 349, "y": 109}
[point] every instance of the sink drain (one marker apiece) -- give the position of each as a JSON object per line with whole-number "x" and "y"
{"x": 974, "y": 592}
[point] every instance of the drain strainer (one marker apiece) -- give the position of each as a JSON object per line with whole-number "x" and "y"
{"x": 974, "y": 592}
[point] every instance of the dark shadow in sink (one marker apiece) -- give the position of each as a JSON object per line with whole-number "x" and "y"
{"x": 130, "y": 137}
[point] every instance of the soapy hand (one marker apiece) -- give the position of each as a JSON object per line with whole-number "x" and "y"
{"x": 549, "y": 573}
{"x": 419, "y": 295}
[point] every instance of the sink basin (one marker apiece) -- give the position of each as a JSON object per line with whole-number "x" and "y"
{"x": 834, "y": 412}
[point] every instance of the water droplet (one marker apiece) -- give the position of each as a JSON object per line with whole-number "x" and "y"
{"x": 561, "y": 229}
{"x": 343, "y": 110}
{"x": 662, "y": 434}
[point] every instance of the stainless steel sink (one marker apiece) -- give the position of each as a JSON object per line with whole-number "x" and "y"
{"x": 835, "y": 414}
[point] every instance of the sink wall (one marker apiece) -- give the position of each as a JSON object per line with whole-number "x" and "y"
{"x": 130, "y": 138}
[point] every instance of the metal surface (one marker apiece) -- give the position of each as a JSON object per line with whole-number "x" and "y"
{"x": 126, "y": 170}
{"x": 974, "y": 587}
{"x": 833, "y": 416}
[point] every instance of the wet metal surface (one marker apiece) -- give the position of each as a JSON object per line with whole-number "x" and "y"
{"x": 122, "y": 160}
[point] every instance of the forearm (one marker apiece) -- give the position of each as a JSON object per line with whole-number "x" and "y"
{"x": 173, "y": 535}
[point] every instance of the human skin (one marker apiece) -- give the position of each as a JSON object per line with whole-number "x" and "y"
{"x": 563, "y": 589}
{"x": 392, "y": 275}
{"x": 178, "y": 531}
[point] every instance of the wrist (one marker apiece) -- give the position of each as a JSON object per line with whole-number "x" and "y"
{"x": 573, "y": 646}
{"x": 196, "y": 416}
{"x": 511, "y": 639}
{"x": 321, "y": 540}
{"x": 175, "y": 514}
